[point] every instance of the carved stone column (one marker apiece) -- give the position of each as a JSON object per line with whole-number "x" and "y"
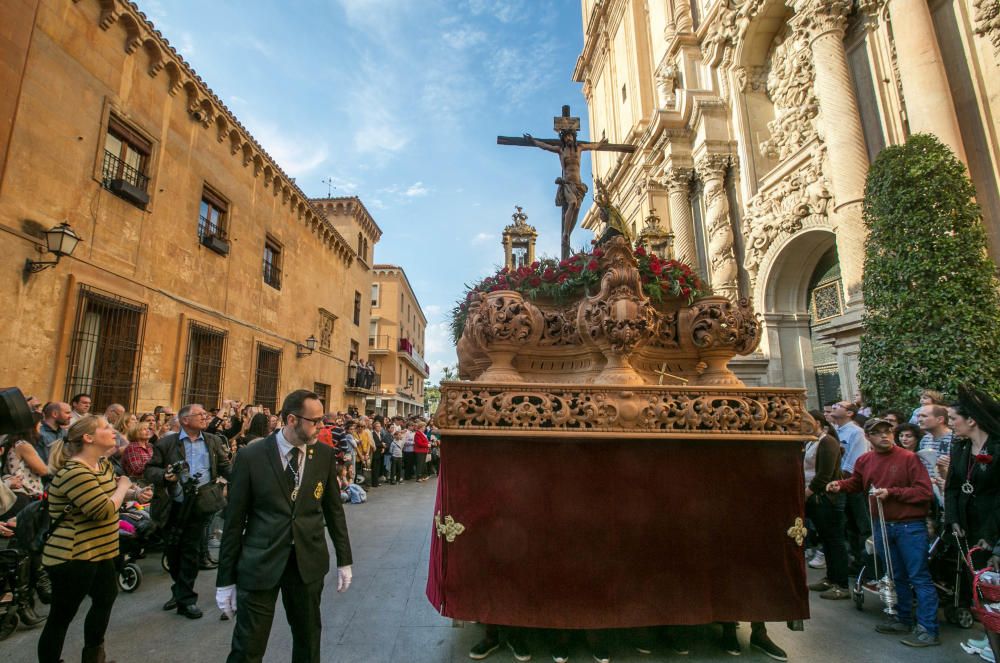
{"x": 929, "y": 106}
{"x": 718, "y": 226}
{"x": 678, "y": 184}
{"x": 823, "y": 23}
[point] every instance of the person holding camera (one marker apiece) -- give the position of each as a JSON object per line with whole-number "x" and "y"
{"x": 80, "y": 553}
{"x": 284, "y": 493}
{"x": 185, "y": 469}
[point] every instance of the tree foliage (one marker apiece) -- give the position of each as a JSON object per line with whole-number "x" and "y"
{"x": 931, "y": 293}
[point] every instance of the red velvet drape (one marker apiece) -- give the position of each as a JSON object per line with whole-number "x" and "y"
{"x": 618, "y": 533}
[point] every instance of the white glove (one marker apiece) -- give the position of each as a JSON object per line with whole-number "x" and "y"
{"x": 225, "y": 598}
{"x": 343, "y": 578}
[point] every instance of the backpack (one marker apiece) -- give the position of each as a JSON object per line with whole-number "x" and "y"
{"x": 35, "y": 525}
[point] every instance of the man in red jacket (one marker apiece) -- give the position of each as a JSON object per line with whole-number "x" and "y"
{"x": 897, "y": 477}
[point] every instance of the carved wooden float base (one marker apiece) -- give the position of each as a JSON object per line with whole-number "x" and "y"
{"x": 689, "y": 412}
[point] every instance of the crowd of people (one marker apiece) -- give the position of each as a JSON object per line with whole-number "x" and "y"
{"x": 83, "y": 468}
{"x": 905, "y": 481}
{"x": 901, "y": 480}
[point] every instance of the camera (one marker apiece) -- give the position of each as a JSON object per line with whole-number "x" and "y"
{"x": 178, "y": 468}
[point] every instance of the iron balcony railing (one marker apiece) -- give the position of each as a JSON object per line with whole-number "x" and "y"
{"x": 116, "y": 169}
{"x": 363, "y": 381}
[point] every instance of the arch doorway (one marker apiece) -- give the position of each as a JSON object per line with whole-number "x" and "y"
{"x": 801, "y": 299}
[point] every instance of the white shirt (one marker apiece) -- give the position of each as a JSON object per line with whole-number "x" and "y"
{"x": 284, "y": 448}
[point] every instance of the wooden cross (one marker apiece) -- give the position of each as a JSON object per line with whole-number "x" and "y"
{"x": 663, "y": 374}
{"x": 571, "y": 189}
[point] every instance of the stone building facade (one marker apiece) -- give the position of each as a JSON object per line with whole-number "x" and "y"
{"x": 203, "y": 268}
{"x": 396, "y": 343}
{"x": 756, "y": 121}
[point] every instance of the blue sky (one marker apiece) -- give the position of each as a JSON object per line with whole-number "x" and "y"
{"x": 400, "y": 103}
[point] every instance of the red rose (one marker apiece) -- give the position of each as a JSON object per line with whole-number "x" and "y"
{"x": 598, "y": 253}
{"x": 549, "y": 274}
{"x": 535, "y": 264}
{"x": 656, "y": 268}
{"x": 563, "y": 277}
{"x": 685, "y": 291}
{"x": 592, "y": 266}
{"x": 564, "y": 263}
{"x": 984, "y": 459}
{"x": 640, "y": 251}
{"x": 534, "y": 281}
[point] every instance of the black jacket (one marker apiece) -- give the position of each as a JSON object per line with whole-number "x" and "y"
{"x": 262, "y": 522}
{"x": 168, "y": 450}
{"x": 976, "y": 513}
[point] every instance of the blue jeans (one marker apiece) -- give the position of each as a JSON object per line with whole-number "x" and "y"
{"x": 908, "y": 550}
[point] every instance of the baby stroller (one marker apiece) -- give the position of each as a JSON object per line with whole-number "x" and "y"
{"x": 10, "y": 591}
{"x": 134, "y": 529}
{"x": 946, "y": 566}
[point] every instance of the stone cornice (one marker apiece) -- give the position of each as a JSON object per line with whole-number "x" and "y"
{"x": 353, "y": 207}
{"x": 205, "y": 108}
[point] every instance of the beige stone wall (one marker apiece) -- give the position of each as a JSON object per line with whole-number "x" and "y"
{"x": 81, "y": 66}
{"x": 398, "y": 315}
{"x": 755, "y": 121}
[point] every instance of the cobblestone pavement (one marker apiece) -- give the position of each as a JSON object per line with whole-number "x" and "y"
{"x": 385, "y": 616}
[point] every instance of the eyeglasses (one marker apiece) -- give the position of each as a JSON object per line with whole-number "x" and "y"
{"x": 312, "y": 421}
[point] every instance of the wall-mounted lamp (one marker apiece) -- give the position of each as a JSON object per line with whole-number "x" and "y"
{"x": 59, "y": 240}
{"x": 409, "y": 382}
{"x": 308, "y": 348}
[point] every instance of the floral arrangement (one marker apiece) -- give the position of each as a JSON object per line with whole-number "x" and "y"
{"x": 559, "y": 281}
{"x": 984, "y": 459}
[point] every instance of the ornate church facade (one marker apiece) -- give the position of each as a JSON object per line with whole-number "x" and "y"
{"x": 756, "y": 121}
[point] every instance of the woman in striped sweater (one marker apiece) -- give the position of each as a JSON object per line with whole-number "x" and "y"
{"x": 80, "y": 553}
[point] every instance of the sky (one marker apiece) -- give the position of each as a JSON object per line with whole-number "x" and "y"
{"x": 399, "y": 102}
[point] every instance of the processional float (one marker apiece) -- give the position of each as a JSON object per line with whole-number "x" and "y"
{"x": 602, "y": 467}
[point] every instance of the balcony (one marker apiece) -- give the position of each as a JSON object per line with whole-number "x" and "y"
{"x": 409, "y": 352}
{"x": 381, "y": 344}
{"x": 370, "y": 383}
{"x": 124, "y": 181}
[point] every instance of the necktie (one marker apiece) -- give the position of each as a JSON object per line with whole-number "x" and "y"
{"x": 292, "y": 470}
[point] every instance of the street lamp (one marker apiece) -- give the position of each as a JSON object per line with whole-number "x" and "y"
{"x": 308, "y": 348}
{"x": 59, "y": 240}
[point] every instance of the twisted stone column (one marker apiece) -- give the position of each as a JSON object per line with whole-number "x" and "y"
{"x": 929, "y": 105}
{"x": 718, "y": 226}
{"x": 678, "y": 184}
{"x": 823, "y": 23}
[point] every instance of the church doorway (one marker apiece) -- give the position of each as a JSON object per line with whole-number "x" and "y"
{"x": 826, "y": 302}
{"x": 799, "y": 295}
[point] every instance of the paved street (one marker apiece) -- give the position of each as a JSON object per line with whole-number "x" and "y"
{"x": 385, "y": 616}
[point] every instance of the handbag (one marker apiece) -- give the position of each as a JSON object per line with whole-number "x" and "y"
{"x": 210, "y": 498}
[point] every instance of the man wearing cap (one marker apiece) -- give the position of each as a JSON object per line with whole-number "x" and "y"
{"x": 897, "y": 477}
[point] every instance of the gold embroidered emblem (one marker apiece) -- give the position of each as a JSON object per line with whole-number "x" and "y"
{"x": 318, "y": 492}
{"x": 450, "y": 528}
{"x": 798, "y": 532}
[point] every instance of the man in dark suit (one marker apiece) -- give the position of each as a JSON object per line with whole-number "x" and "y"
{"x": 179, "y": 514}
{"x": 283, "y": 492}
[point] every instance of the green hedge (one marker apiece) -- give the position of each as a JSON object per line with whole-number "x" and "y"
{"x": 931, "y": 292}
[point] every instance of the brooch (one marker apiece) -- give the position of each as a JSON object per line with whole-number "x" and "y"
{"x": 318, "y": 493}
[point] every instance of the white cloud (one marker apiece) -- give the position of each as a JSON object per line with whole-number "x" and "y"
{"x": 432, "y": 311}
{"x": 343, "y": 186}
{"x": 482, "y": 238}
{"x": 374, "y": 97}
{"x": 185, "y": 45}
{"x": 505, "y": 11}
{"x": 296, "y": 154}
{"x": 463, "y": 38}
{"x": 516, "y": 73}
{"x": 416, "y": 189}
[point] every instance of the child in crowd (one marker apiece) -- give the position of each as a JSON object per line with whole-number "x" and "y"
{"x": 396, "y": 451}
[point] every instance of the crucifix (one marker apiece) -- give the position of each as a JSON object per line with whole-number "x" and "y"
{"x": 663, "y": 374}
{"x": 571, "y": 189}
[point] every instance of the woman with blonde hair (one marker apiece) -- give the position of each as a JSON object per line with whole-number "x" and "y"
{"x": 79, "y": 555}
{"x": 139, "y": 449}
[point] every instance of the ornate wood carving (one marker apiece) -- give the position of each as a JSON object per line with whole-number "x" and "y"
{"x": 682, "y": 412}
